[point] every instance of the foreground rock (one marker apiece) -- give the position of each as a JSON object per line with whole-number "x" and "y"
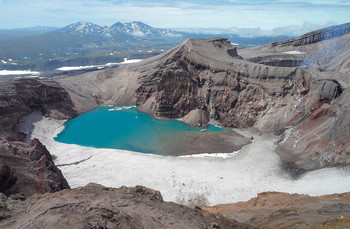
{"x": 95, "y": 206}
{"x": 282, "y": 210}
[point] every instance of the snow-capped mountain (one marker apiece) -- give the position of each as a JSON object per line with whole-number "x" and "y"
{"x": 136, "y": 28}
{"x": 85, "y": 43}
{"x": 82, "y": 28}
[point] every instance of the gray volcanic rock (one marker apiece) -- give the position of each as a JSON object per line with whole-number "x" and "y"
{"x": 95, "y": 206}
{"x": 323, "y": 139}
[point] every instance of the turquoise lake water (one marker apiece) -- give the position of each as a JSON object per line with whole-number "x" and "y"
{"x": 129, "y": 129}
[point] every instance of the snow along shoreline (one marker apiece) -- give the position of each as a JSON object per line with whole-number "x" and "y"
{"x": 254, "y": 169}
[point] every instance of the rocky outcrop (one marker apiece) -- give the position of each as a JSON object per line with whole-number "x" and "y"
{"x": 282, "y": 210}
{"x": 200, "y": 75}
{"x": 28, "y": 168}
{"x": 95, "y": 206}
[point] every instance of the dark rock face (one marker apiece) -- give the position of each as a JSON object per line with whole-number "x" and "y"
{"x": 95, "y": 206}
{"x": 329, "y": 90}
{"x": 28, "y": 169}
{"x": 32, "y": 93}
{"x": 188, "y": 79}
{"x": 7, "y": 177}
{"x": 316, "y": 36}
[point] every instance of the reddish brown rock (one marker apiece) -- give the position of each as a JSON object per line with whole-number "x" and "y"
{"x": 28, "y": 168}
{"x": 282, "y": 210}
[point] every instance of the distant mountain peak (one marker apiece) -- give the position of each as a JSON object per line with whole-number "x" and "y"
{"x": 82, "y": 27}
{"x": 138, "y": 29}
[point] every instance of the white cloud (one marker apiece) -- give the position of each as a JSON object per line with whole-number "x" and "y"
{"x": 138, "y": 33}
{"x": 173, "y": 35}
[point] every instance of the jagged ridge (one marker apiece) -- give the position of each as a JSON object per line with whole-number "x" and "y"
{"x": 316, "y": 36}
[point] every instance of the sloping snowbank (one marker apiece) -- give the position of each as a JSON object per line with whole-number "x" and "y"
{"x": 18, "y": 72}
{"x": 295, "y": 52}
{"x": 75, "y": 68}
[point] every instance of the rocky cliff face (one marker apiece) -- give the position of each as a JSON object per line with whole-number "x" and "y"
{"x": 22, "y": 96}
{"x": 95, "y": 206}
{"x": 28, "y": 168}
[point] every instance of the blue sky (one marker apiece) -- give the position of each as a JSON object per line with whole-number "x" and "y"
{"x": 248, "y": 16}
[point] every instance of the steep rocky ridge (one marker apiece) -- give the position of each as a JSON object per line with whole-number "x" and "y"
{"x": 95, "y": 206}
{"x": 325, "y": 49}
{"x": 316, "y": 36}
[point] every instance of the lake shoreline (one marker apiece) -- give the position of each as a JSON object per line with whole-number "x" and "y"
{"x": 254, "y": 169}
{"x": 126, "y": 128}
